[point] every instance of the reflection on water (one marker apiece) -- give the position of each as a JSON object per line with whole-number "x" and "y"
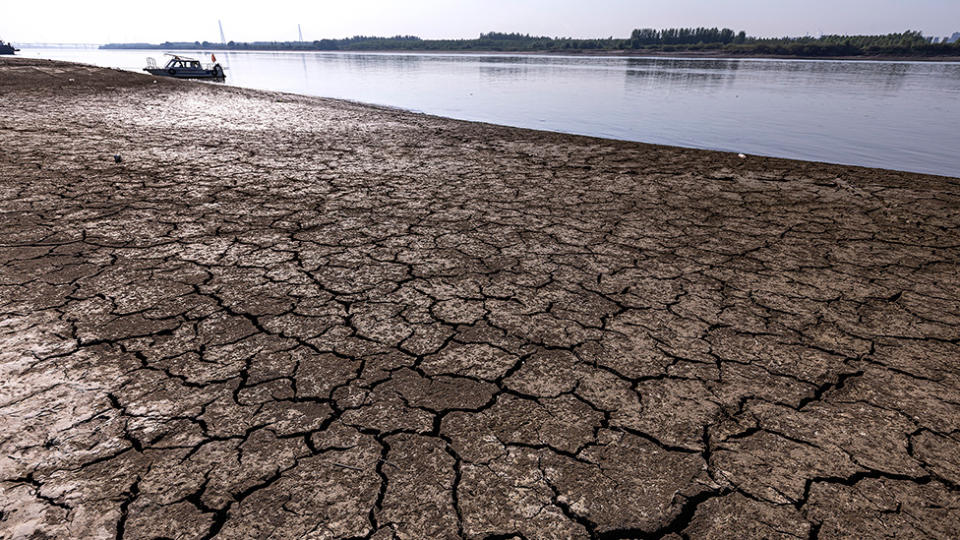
{"x": 898, "y": 115}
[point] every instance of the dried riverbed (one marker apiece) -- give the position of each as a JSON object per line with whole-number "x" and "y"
{"x": 289, "y": 317}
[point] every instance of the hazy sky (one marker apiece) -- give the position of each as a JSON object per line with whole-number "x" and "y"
{"x": 104, "y": 21}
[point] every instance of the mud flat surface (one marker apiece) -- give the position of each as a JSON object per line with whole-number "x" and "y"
{"x": 289, "y": 317}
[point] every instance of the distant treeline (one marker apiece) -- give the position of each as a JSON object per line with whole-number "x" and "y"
{"x": 909, "y": 43}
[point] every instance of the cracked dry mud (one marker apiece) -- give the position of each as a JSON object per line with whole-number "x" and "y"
{"x": 290, "y": 317}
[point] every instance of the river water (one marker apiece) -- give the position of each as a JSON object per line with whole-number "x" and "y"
{"x": 894, "y": 115}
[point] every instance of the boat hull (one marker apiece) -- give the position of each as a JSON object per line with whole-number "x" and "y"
{"x": 188, "y": 73}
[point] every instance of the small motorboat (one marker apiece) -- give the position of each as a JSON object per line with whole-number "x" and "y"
{"x": 182, "y": 67}
{"x": 7, "y": 48}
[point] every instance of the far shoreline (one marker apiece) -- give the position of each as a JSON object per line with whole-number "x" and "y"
{"x": 622, "y": 53}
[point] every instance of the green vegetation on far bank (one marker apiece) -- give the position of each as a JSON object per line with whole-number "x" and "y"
{"x": 909, "y": 43}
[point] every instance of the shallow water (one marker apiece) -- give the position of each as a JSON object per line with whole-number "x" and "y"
{"x": 895, "y": 115}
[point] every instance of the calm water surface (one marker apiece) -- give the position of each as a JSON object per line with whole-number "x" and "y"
{"x": 896, "y": 115}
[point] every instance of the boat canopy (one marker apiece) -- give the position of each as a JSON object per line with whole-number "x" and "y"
{"x": 182, "y": 61}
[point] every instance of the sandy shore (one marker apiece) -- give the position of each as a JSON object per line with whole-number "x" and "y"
{"x": 290, "y": 317}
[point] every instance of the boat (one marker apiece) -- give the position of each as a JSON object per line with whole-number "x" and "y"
{"x": 182, "y": 67}
{"x": 7, "y": 48}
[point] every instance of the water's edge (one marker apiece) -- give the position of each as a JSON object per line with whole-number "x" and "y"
{"x": 882, "y": 115}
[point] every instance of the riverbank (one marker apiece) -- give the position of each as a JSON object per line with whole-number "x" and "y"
{"x": 713, "y": 54}
{"x": 292, "y": 316}
{"x": 725, "y": 55}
